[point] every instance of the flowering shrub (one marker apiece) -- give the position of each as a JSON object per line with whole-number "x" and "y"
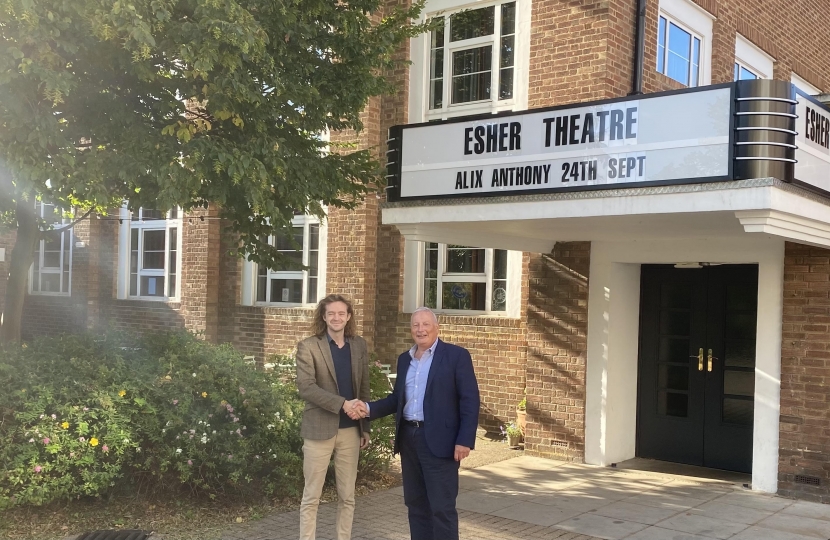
{"x": 78, "y": 413}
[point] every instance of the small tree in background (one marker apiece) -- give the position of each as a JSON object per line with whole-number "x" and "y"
{"x": 169, "y": 103}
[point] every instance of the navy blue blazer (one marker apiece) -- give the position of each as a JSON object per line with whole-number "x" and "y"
{"x": 451, "y": 400}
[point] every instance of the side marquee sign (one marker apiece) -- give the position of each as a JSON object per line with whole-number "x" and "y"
{"x": 715, "y": 133}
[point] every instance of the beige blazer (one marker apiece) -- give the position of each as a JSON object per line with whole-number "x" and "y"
{"x": 317, "y": 384}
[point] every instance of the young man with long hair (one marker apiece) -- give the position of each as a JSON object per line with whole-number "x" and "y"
{"x": 332, "y": 374}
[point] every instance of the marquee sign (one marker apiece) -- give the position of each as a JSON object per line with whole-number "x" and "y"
{"x": 716, "y": 133}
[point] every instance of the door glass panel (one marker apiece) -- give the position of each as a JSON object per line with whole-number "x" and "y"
{"x": 674, "y": 350}
{"x": 739, "y": 383}
{"x": 672, "y": 404}
{"x": 739, "y": 353}
{"x": 741, "y": 298}
{"x": 676, "y": 295}
{"x": 740, "y": 325}
{"x": 673, "y": 377}
{"x": 738, "y": 411}
{"x": 675, "y": 322}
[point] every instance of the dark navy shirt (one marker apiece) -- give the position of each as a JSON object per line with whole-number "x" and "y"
{"x": 342, "y": 358}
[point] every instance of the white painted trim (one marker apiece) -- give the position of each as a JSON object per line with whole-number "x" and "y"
{"x": 123, "y": 268}
{"x": 803, "y": 85}
{"x": 753, "y": 58}
{"x": 790, "y": 226}
{"x": 439, "y": 233}
{"x": 613, "y": 315}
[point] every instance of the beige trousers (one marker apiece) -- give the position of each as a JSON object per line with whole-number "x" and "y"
{"x": 316, "y": 457}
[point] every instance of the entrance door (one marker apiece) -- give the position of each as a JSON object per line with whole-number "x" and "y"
{"x": 697, "y": 365}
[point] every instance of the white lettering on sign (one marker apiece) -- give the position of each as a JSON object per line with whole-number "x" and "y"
{"x": 651, "y": 139}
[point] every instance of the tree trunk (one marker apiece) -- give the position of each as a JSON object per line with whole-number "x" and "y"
{"x": 19, "y": 263}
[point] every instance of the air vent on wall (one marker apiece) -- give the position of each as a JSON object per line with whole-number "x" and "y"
{"x": 808, "y": 480}
{"x": 563, "y": 444}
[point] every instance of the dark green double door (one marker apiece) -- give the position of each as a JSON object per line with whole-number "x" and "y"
{"x": 697, "y": 365}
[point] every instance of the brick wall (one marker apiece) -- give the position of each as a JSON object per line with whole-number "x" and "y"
{"x": 805, "y": 373}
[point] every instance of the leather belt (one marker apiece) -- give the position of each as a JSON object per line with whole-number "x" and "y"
{"x": 414, "y": 423}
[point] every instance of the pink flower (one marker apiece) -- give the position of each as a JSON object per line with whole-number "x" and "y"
{"x": 81, "y": 439}
{"x": 241, "y": 390}
{"x": 105, "y": 448}
{"x": 46, "y": 440}
{"x": 54, "y": 417}
{"x": 175, "y": 402}
{"x": 38, "y": 468}
{"x": 236, "y": 419}
{"x": 230, "y": 456}
{"x": 210, "y": 416}
{"x": 189, "y": 462}
{"x": 71, "y": 454}
{"x": 86, "y": 409}
{"x": 32, "y": 440}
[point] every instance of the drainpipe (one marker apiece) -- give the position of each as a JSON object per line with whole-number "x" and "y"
{"x": 639, "y": 52}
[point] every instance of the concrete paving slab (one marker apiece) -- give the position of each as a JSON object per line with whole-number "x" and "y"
{"x": 637, "y": 513}
{"x": 658, "y": 533}
{"x": 537, "y": 514}
{"x": 808, "y": 509}
{"x": 806, "y": 526}
{"x": 483, "y": 503}
{"x": 702, "y": 525}
{"x": 762, "y": 533}
{"x": 731, "y": 512}
{"x": 754, "y": 499}
{"x": 664, "y": 500}
{"x": 601, "y": 526}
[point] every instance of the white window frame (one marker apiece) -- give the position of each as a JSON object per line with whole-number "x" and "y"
{"x": 127, "y": 225}
{"x": 803, "y": 85}
{"x": 752, "y": 58}
{"x": 250, "y": 270}
{"x": 414, "y": 273}
{"x": 420, "y": 47}
{"x": 698, "y": 22}
{"x": 67, "y": 236}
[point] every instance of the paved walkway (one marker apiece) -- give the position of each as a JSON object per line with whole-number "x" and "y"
{"x": 531, "y": 498}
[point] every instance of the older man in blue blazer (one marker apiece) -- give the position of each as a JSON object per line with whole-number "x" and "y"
{"x": 435, "y": 402}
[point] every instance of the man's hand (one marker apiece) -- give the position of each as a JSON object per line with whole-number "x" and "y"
{"x": 356, "y": 409}
{"x": 461, "y": 452}
{"x": 365, "y": 439}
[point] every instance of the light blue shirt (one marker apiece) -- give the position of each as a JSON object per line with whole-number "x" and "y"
{"x": 416, "y": 383}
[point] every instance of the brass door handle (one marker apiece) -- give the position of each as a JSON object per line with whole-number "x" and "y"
{"x": 709, "y": 364}
{"x": 700, "y": 359}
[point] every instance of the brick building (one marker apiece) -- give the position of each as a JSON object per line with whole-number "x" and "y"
{"x": 661, "y": 289}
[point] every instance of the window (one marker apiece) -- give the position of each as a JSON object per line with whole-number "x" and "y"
{"x": 804, "y": 86}
{"x": 475, "y": 59}
{"x": 461, "y": 278}
{"x": 684, "y": 32}
{"x": 750, "y": 61}
{"x": 291, "y": 284}
{"x": 51, "y": 271}
{"x": 153, "y": 253}
{"x": 678, "y": 53}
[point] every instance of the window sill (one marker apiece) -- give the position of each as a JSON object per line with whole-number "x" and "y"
{"x": 52, "y": 294}
{"x": 155, "y": 299}
{"x": 470, "y": 109}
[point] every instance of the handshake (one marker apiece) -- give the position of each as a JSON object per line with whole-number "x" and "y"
{"x": 356, "y": 409}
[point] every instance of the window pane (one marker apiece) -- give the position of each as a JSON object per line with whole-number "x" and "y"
{"x": 431, "y": 261}
{"x": 471, "y": 74}
{"x": 261, "y": 286}
{"x": 437, "y": 35}
{"x": 431, "y": 293}
{"x": 736, "y": 73}
{"x": 661, "y": 45}
{"x": 436, "y": 68}
{"x": 507, "y": 48}
{"x": 174, "y": 213}
{"x": 172, "y": 263}
{"x": 508, "y": 18}
{"x": 465, "y": 260}
{"x": 472, "y": 23}
{"x": 680, "y": 44}
{"x": 696, "y": 62}
{"x": 499, "y": 295}
{"x": 287, "y": 290}
{"x": 673, "y": 377}
{"x": 499, "y": 264}
{"x": 672, "y": 404}
{"x": 506, "y": 83}
{"x": 436, "y": 84}
{"x": 289, "y": 249}
{"x": 312, "y": 290}
{"x": 739, "y": 383}
{"x": 746, "y": 75}
{"x": 152, "y": 286}
{"x": 456, "y": 295}
{"x": 50, "y": 282}
{"x": 153, "y": 250}
{"x": 738, "y": 411}
{"x": 148, "y": 214}
{"x": 314, "y": 236}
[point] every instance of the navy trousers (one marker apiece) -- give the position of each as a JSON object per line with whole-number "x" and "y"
{"x": 430, "y": 487}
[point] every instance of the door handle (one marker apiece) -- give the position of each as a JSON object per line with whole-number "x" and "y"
{"x": 700, "y": 359}
{"x": 709, "y": 364}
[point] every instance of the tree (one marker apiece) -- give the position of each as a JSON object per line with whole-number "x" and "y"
{"x": 186, "y": 102}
